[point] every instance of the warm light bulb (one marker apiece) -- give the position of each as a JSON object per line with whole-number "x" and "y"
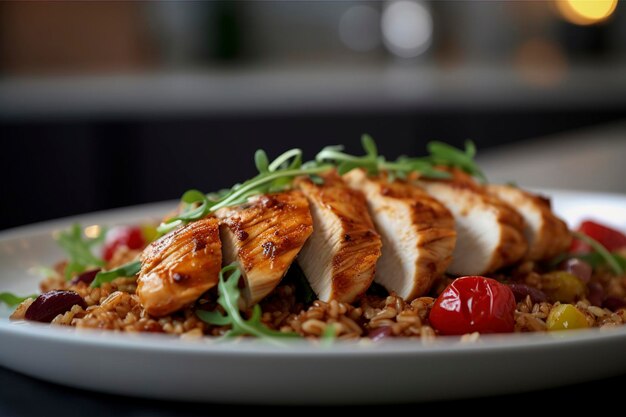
{"x": 586, "y": 12}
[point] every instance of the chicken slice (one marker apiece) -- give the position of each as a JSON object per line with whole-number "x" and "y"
{"x": 339, "y": 259}
{"x": 264, "y": 236}
{"x": 490, "y": 233}
{"x": 547, "y": 235}
{"x": 417, "y": 233}
{"x": 179, "y": 267}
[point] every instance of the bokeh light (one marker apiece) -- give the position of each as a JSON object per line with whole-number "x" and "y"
{"x": 407, "y": 28}
{"x": 359, "y": 28}
{"x": 586, "y": 12}
{"x": 541, "y": 62}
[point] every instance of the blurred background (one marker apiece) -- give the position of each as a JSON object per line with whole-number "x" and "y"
{"x": 107, "y": 104}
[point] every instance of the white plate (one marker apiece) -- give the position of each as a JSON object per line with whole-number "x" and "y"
{"x": 252, "y": 372}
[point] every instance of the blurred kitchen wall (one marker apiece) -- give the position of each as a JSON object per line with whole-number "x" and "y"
{"x": 105, "y": 104}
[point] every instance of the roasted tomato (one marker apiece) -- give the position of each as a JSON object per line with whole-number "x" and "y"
{"x": 129, "y": 236}
{"x": 474, "y": 304}
{"x": 608, "y": 237}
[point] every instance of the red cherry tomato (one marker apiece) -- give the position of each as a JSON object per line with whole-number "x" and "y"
{"x": 129, "y": 236}
{"x": 609, "y": 238}
{"x": 474, "y": 304}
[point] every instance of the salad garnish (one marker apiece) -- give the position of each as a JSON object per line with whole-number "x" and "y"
{"x": 279, "y": 174}
{"x": 616, "y": 262}
{"x": 12, "y": 300}
{"x": 229, "y": 296}
{"x": 79, "y": 250}
{"x": 129, "y": 269}
{"x": 273, "y": 177}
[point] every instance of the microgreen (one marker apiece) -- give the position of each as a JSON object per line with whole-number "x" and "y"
{"x": 329, "y": 335}
{"x": 278, "y": 175}
{"x": 440, "y": 155}
{"x": 444, "y": 154}
{"x": 229, "y": 295}
{"x": 614, "y": 261}
{"x": 79, "y": 250}
{"x": 595, "y": 259}
{"x": 127, "y": 270}
{"x": 345, "y": 163}
{"x": 12, "y": 300}
{"x": 272, "y": 177}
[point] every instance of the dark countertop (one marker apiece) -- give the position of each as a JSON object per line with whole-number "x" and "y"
{"x": 24, "y": 396}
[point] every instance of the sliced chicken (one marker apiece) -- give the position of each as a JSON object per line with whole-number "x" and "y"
{"x": 417, "y": 233}
{"x": 264, "y": 236}
{"x": 178, "y": 268}
{"x": 547, "y": 235}
{"x": 490, "y": 233}
{"x": 339, "y": 259}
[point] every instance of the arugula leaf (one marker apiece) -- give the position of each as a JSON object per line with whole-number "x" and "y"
{"x": 12, "y": 300}
{"x": 275, "y": 176}
{"x": 279, "y": 174}
{"x": 127, "y": 270}
{"x": 369, "y": 145}
{"x": 328, "y": 336}
{"x": 440, "y": 154}
{"x": 346, "y": 162}
{"x": 229, "y": 296}
{"x": 191, "y": 212}
{"x": 610, "y": 259}
{"x": 261, "y": 161}
{"x": 78, "y": 249}
{"x": 444, "y": 154}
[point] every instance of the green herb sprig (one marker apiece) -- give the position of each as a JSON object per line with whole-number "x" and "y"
{"x": 614, "y": 261}
{"x": 272, "y": 177}
{"x": 278, "y": 175}
{"x": 371, "y": 161}
{"x": 229, "y": 295}
{"x": 444, "y": 154}
{"x": 595, "y": 259}
{"x": 12, "y": 300}
{"x": 129, "y": 269}
{"x": 440, "y": 155}
{"x": 328, "y": 336}
{"x": 79, "y": 250}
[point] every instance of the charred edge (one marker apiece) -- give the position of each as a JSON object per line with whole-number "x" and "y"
{"x": 241, "y": 234}
{"x": 198, "y": 243}
{"x": 269, "y": 249}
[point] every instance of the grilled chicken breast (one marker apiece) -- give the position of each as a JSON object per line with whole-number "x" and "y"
{"x": 417, "y": 233}
{"x": 178, "y": 268}
{"x": 339, "y": 259}
{"x": 547, "y": 235}
{"x": 490, "y": 233}
{"x": 264, "y": 236}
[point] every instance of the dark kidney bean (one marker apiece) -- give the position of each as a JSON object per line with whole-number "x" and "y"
{"x": 520, "y": 291}
{"x": 614, "y": 303}
{"x": 87, "y": 277}
{"x": 52, "y": 303}
{"x": 596, "y": 294}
